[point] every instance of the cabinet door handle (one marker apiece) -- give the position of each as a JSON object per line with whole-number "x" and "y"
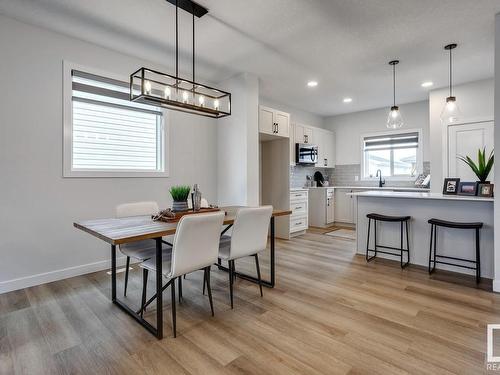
{"x": 298, "y": 207}
{"x": 277, "y": 127}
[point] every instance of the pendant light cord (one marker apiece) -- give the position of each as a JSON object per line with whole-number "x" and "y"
{"x": 176, "y": 44}
{"x": 194, "y": 80}
{"x": 450, "y": 73}
{"x": 394, "y": 84}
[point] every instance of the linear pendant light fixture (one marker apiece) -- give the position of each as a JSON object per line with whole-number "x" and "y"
{"x": 451, "y": 113}
{"x": 394, "y": 120}
{"x": 152, "y": 87}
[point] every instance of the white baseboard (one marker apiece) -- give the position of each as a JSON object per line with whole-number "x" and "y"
{"x": 47, "y": 277}
{"x": 496, "y": 285}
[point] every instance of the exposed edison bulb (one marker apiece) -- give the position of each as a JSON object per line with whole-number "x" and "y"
{"x": 201, "y": 100}
{"x": 451, "y": 113}
{"x": 395, "y": 120}
{"x": 216, "y": 104}
{"x": 185, "y": 96}
{"x": 147, "y": 87}
{"x": 167, "y": 93}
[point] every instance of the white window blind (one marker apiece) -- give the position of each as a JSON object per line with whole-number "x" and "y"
{"x": 110, "y": 133}
{"x": 395, "y": 154}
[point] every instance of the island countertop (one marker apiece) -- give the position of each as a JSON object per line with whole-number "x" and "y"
{"x": 420, "y": 195}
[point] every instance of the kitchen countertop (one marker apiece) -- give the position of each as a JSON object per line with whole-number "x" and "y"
{"x": 375, "y": 188}
{"x": 415, "y": 195}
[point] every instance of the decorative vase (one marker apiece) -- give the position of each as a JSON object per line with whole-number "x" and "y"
{"x": 179, "y": 206}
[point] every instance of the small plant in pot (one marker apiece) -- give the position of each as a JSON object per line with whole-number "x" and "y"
{"x": 483, "y": 167}
{"x": 180, "y": 196}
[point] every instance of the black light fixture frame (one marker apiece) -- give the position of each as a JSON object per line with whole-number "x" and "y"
{"x": 140, "y": 94}
{"x": 450, "y": 47}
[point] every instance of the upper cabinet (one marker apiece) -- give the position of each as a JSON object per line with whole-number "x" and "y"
{"x": 325, "y": 140}
{"x": 274, "y": 122}
{"x": 304, "y": 134}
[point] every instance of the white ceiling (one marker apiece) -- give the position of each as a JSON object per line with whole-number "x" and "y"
{"x": 343, "y": 44}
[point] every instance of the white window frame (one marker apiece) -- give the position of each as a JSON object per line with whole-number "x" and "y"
{"x": 393, "y": 132}
{"x": 68, "y": 170}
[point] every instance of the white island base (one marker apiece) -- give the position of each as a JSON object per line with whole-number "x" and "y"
{"x": 421, "y": 207}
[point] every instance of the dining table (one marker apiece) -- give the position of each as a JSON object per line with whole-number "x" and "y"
{"x": 118, "y": 231}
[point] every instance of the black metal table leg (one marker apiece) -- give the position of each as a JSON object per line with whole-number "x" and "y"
{"x": 158, "y": 331}
{"x": 113, "y": 273}
{"x": 159, "y": 294}
{"x": 272, "y": 282}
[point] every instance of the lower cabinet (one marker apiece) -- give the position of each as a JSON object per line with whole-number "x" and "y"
{"x": 344, "y": 206}
{"x": 299, "y": 200}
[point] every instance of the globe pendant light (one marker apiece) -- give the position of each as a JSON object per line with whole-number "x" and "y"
{"x": 451, "y": 113}
{"x": 394, "y": 120}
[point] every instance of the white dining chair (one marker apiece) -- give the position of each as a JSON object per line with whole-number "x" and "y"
{"x": 195, "y": 247}
{"x": 248, "y": 238}
{"x": 139, "y": 250}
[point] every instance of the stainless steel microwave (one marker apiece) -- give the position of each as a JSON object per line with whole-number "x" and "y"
{"x": 306, "y": 153}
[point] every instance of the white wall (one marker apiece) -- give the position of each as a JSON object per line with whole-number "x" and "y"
{"x": 37, "y": 205}
{"x": 496, "y": 281}
{"x": 349, "y": 127}
{"x": 475, "y": 101}
{"x": 297, "y": 116}
{"x": 238, "y": 144}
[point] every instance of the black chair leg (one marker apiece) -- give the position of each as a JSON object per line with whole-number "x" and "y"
{"x": 172, "y": 289}
{"x": 257, "y": 266}
{"x": 204, "y": 281}
{"x": 179, "y": 281}
{"x": 144, "y": 289}
{"x": 231, "y": 262}
{"x": 127, "y": 266}
{"x": 478, "y": 258}
{"x": 209, "y": 289}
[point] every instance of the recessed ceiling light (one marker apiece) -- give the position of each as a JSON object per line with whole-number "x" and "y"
{"x": 312, "y": 83}
{"x": 427, "y": 84}
{"x": 347, "y": 100}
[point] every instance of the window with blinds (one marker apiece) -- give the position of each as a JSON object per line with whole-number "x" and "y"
{"x": 111, "y": 134}
{"x": 394, "y": 154}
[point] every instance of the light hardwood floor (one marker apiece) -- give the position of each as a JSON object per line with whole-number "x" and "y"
{"x": 331, "y": 313}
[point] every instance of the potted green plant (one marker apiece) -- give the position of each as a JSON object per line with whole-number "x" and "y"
{"x": 483, "y": 167}
{"x": 180, "y": 196}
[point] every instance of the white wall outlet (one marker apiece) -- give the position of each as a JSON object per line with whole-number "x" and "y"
{"x": 356, "y": 178}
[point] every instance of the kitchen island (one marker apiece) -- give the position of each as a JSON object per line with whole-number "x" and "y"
{"x": 421, "y": 207}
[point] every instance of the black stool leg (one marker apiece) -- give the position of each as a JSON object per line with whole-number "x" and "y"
{"x": 478, "y": 258}
{"x": 401, "y": 244}
{"x": 430, "y": 249}
{"x": 407, "y": 242}
{"x": 368, "y": 257}
{"x": 435, "y": 247}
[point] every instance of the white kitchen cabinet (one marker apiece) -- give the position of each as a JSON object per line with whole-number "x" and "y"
{"x": 321, "y": 207}
{"x": 304, "y": 134}
{"x": 292, "y": 144}
{"x": 344, "y": 206}
{"x": 325, "y": 140}
{"x": 274, "y": 122}
{"x": 299, "y": 205}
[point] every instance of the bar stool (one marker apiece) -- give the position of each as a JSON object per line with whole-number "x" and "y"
{"x": 435, "y": 223}
{"x": 401, "y": 250}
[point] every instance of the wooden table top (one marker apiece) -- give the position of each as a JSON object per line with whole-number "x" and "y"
{"x": 119, "y": 231}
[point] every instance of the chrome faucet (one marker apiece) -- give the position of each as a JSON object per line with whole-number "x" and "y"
{"x": 380, "y": 181}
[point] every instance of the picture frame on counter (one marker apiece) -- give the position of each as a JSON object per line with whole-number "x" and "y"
{"x": 485, "y": 190}
{"x": 467, "y": 188}
{"x": 450, "y": 186}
